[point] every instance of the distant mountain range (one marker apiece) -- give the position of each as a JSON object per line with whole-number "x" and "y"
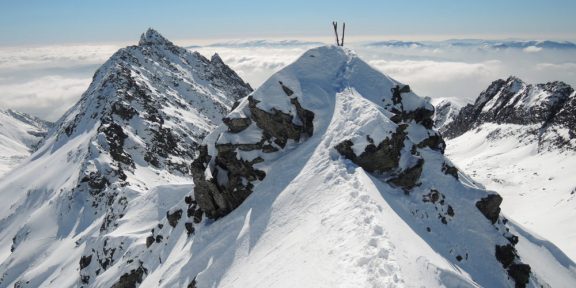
{"x": 478, "y": 43}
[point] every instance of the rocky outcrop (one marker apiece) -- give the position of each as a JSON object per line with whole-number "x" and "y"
{"x": 380, "y": 158}
{"x": 490, "y": 207}
{"x": 542, "y": 109}
{"x": 232, "y": 177}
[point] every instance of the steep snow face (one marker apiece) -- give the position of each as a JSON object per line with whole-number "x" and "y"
{"x": 19, "y": 135}
{"x": 537, "y": 107}
{"x": 135, "y": 128}
{"x": 329, "y": 176}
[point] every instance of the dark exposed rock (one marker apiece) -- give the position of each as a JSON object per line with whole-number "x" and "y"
{"x": 198, "y": 216}
{"x": 236, "y": 125}
{"x": 192, "y": 283}
{"x": 520, "y": 273}
{"x": 132, "y": 279}
{"x": 115, "y": 136}
{"x": 205, "y": 190}
{"x": 149, "y": 241}
{"x": 188, "y": 200}
{"x": 277, "y": 124}
{"x": 217, "y": 200}
{"x": 433, "y": 196}
{"x": 159, "y": 238}
{"x": 96, "y": 180}
{"x": 408, "y": 178}
{"x": 123, "y": 110}
{"x": 421, "y": 116}
{"x": 286, "y": 90}
{"x": 85, "y": 261}
{"x": 490, "y": 207}
{"x": 385, "y": 158}
{"x": 450, "y": 170}
{"x": 434, "y": 142}
{"x": 189, "y": 228}
{"x": 174, "y": 217}
{"x": 506, "y": 254}
{"x": 306, "y": 116}
{"x": 381, "y": 158}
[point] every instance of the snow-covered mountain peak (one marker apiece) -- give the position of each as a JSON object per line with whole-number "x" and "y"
{"x": 537, "y": 109}
{"x": 136, "y": 127}
{"x": 152, "y": 37}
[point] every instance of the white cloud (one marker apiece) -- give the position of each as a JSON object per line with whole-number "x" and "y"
{"x": 532, "y": 49}
{"x": 48, "y": 97}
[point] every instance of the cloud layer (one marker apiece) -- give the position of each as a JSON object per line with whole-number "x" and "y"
{"x": 46, "y": 81}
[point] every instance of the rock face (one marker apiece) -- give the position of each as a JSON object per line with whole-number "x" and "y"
{"x": 541, "y": 108}
{"x": 136, "y": 127}
{"x": 220, "y": 194}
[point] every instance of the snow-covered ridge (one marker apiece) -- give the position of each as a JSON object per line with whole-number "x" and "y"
{"x": 543, "y": 109}
{"x": 323, "y": 126}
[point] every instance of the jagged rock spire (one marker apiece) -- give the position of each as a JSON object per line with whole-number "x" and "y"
{"x": 152, "y": 37}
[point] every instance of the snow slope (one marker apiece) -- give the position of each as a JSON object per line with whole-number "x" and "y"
{"x": 538, "y": 187}
{"x": 19, "y": 134}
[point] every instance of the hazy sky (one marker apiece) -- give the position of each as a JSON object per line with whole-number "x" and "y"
{"x": 72, "y": 21}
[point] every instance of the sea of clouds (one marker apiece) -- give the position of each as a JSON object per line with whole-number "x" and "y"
{"x": 47, "y": 80}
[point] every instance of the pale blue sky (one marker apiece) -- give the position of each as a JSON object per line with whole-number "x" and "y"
{"x": 73, "y": 21}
